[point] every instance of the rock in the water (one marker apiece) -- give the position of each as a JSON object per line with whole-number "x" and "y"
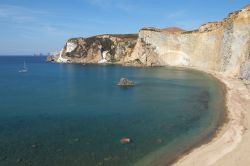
{"x": 125, "y": 82}
{"x": 50, "y": 58}
{"x": 19, "y": 160}
{"x": 76, "y": 139}
{"x": 34, "y": 146}
{"x": 159, "y": 141}
{"x": 125, "y": 140}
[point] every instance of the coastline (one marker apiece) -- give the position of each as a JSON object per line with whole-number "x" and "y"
{"x": 147, "y": 161}
{"x": 230, "y": 142}
{"x": 221, "y": 45}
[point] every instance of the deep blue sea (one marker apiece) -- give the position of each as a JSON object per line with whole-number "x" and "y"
{"x": 75, "y": 115}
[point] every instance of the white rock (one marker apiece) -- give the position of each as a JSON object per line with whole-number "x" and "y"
{"x": 70, "y": 47}
{"x": 103, "y": 61}
{"x": 61, "y": 59}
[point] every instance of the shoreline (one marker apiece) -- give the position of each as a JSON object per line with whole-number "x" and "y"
{"x": 227, "y": 144}
{"x": 205, "y": 140}
{"x": 227, "y": 137}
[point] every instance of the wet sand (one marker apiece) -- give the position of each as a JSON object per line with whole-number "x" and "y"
{"x": 230, "y": 146}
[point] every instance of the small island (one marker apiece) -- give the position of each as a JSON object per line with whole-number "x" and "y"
{"x": 124, "y": 82}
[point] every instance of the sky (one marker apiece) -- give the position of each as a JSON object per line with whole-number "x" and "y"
{"x": 43, "y": 26}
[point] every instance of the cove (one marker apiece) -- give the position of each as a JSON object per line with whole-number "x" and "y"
{"x": 72, "y": 114}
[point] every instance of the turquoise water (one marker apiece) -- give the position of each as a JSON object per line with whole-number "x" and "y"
{"x": 75, "y": 115}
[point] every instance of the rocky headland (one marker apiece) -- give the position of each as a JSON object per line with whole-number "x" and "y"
{"x": 97, "y": 49}
{"x": 219, "y": 48}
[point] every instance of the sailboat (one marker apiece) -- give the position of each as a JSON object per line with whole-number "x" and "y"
{"x": 24, "y": 69}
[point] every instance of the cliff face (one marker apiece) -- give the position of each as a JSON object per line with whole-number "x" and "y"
{"x": 220, "y": 46}
{"x": 98, "y": 49}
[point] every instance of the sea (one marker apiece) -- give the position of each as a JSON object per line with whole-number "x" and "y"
{"x": 76, "y": 115}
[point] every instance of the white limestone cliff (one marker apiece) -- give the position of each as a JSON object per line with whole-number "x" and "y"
{"x": 220, "y": 46}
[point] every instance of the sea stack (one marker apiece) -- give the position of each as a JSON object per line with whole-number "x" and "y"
{"x": 125, "y": 82}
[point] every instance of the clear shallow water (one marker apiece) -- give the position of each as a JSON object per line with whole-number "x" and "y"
{"x": 68, "y": 115}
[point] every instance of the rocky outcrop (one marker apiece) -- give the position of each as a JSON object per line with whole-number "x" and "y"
{"x": 124, "y": 82}
{"x": 219, "y": 46}
{"x": 50, "y": 58}
{"x": 99, "y": 49}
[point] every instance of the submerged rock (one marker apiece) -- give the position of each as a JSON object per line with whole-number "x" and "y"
{"x": 159, "y": 141}
{"x": 34, "y": 146}
{"x": 19, "y": 160}
{"x": 3, "y": 158}
{"x": 125, "y": 140}
{"x": 125, "y": 82}
{"x": 76, "y": 139}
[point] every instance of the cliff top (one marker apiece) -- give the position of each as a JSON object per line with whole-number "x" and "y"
{"x": 129, "y": 36}
{"x": 243, "y": 13}
{"x": 120, "y": 36}
{"x": 207, "y": 27}
{"x": 173, "y": 30}
{"x": 166, "y": 30}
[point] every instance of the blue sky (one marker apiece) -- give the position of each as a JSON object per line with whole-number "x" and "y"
{"x": 34, "y": 26}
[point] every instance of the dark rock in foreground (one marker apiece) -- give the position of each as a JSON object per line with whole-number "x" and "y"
{"x": 125, "y": 82}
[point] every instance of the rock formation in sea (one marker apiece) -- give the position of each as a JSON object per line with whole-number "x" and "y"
{"x": 218, "y": 46}
{"x": 124, "y": 82}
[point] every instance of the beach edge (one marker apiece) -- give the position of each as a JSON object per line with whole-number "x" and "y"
{"x": 230, "y": 135}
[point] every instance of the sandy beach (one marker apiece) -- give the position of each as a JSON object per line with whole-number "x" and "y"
{"x": 231, "y": 144}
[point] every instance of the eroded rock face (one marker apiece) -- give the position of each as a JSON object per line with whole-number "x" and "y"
{"x": 218, "y": 46}
{"x": 245, "y": 63}
{"x": 99, "y": 49}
